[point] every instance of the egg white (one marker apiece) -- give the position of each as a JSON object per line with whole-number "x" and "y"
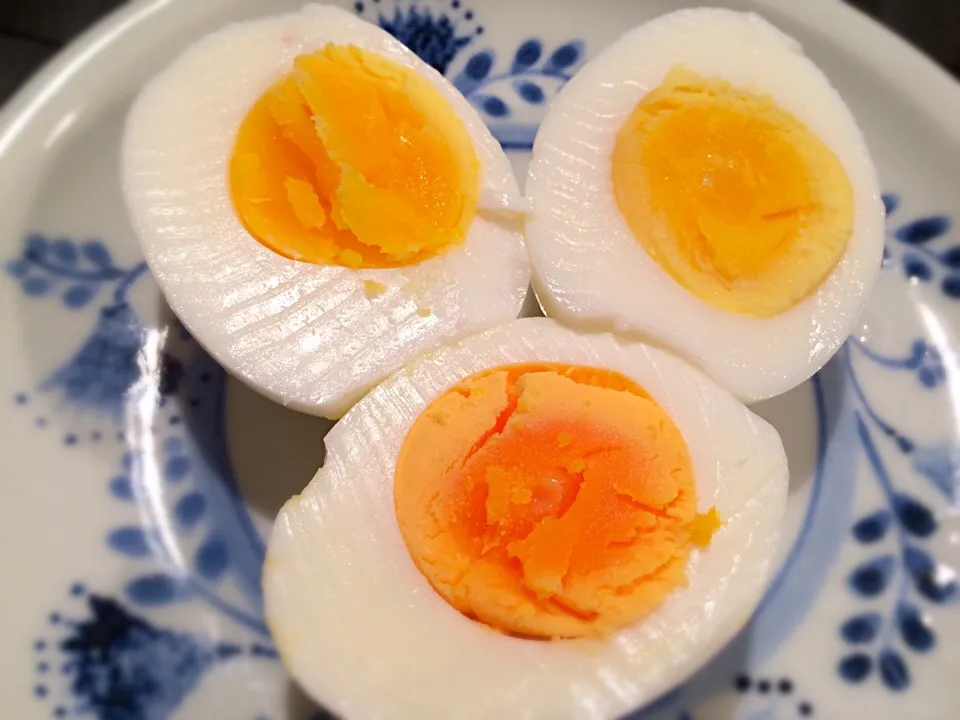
{"x": 305, "y": 335}
{"x": 362, "y": 630}
{"x": 592, "y": 273}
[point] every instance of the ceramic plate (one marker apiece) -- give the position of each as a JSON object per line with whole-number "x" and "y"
{"x": 140, "y": 480}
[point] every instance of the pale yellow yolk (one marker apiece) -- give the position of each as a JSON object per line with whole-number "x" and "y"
{"x": 732, "y": 195}
{"x": 354, "y": 160}
{"x": 549, "y": 500}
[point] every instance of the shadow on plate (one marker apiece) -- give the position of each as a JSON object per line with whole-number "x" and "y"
{"x": 300, "y": 707}
{"x": 270, "y": 452}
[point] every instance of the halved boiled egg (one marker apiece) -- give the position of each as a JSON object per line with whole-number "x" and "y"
{"x": 319, "y": 205}
{"x": 701, "y": 184}
{"x": 530, "y": 523}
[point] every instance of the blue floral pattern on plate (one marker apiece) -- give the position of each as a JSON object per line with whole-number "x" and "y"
{"x": 921, "y": 258}
{"x": 532, "y": 78}
{"x": 437, "y": 35}
{"x": 119, "y": 665}
{"x": 529, "y": 80}
{"x": 902, "y": 568}
{"x": 113, "y": 658}
{"x": 105, "y": 367}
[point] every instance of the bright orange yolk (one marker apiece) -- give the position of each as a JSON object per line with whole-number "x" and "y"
{"x": 730, "y": 194}
{"x": 549, "y": 501}
{"x": 352, "y": 159}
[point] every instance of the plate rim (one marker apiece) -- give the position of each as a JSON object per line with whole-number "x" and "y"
{"x": 911, "y": 73}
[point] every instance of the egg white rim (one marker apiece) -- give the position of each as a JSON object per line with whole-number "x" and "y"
{"x": 755, "y": 358}
{"x": 352, "y": 650}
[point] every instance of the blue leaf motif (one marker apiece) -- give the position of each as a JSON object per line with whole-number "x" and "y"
{"x": 951, "y": 258}
{"x": 129, "y": 541}
{"x": 479, "y": 66}
{"x": 212, "y": 559}
{"x": 121, "y": 488}
{"x": 872, "y": 577}
{"x": 861, "y": 629}
{"x": 36, "y": 245}
{"x": 893, "y": 670}
{"x": 891, "y": 202}
{"x": 931, "y": 354}
{"x": 937, "y": 583}
{"x": 36, "y": 286}
{"x": 564, "y": 57}
{"x": 923, "y": 230}
{"x": 873, "y": 527}
{"x": 918, "y": 351}
{"x": 18, "y": 268}
{"x": 939, "y": 586}
{"x": 79, "y": 296}
{"x": 915, "y": 517}
{"x": 916, "y": 269}
{"x": 155, "y": 589}
{"x": 914, "y": 629}
{"x": 176, "y": 468}
{"x": 96, "y": 253}
{"x": 527, "y": 55}
{"x": 940, "y": 464}
{"x": 530, "y": 92}
{"x": 930, "y": 376}
{"x": 855, "y": 668}
{"x": 190, "y": 509}
{"x": 476, "y": 70}
{"x": 951, "y": 286}
{"x": 491, "y": 105}
{"x": 64, "y": 251}
{"x": 918, "y": 561}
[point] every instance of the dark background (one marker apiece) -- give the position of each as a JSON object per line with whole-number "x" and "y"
{"x": 33, "y": 30}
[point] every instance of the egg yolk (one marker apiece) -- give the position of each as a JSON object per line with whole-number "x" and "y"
{"x": 549, "y": 500}
{"x": 351, "y": 159}
{"x": 731, "y": 194}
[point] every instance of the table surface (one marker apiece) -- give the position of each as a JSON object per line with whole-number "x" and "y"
{"x": 33, "y": 30}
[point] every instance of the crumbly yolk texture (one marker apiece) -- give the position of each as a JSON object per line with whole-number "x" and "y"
{"x": 351, "y": 159}
{"x": 549, "y": 501}
{"x": 731, "y": 194}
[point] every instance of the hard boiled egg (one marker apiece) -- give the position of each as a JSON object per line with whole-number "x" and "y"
{"x": 701, "y": 184}
{"x": 318, "y": 205}
{"x": 531, "y": 523}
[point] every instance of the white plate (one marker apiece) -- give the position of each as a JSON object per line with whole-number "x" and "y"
{"x": 140, "y": 480}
